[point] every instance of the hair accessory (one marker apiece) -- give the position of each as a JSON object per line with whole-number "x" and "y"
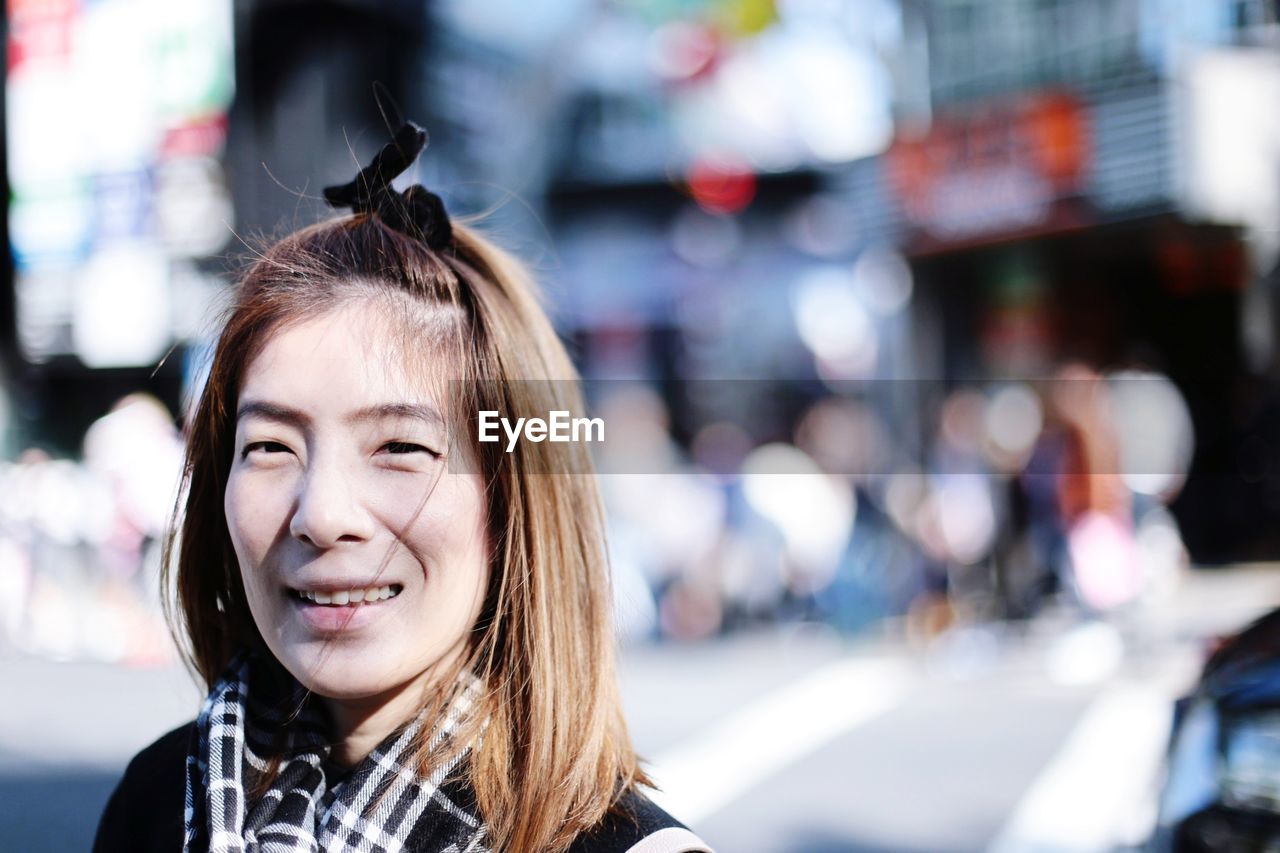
{"x": 417, "y": 211}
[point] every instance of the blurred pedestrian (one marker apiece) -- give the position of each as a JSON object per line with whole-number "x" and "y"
{"x": 1095, "y": 502}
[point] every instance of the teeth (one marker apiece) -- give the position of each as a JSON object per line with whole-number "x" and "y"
{"x": 349, "y": 596}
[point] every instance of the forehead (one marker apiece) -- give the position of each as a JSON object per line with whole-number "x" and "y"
{"x": 356, "y": 354}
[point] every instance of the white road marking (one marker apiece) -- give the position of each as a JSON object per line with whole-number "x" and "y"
{"x": 711, "y": 770}
{"x": 1097, "y": 781}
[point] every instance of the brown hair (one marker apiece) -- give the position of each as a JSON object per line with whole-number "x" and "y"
{"x": 555, "y": 755}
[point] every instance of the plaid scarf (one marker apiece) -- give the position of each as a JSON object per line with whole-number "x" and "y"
{"x": 381, "y": 806}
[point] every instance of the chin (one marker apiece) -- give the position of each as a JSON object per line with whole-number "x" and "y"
{"x": 335, "y": 673}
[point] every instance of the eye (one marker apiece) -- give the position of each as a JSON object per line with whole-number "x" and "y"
{"x": 402, "y": 447}
{"x": 264, "y": 447}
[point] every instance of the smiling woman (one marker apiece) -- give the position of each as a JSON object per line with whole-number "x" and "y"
{"x": 345, "y": 524}
{"x": 406, "y": 640}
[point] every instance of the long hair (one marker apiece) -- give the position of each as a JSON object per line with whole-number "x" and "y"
{"x": 555, "y": 754}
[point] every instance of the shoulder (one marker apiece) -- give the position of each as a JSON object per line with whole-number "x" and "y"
{"x": 145, "y": 812}
{"x": 636, "y": 824}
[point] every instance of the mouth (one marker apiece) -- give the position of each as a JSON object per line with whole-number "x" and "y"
{"x": 355, "y": 597}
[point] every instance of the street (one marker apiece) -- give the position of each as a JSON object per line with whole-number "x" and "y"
{"x": 790, "y": 740}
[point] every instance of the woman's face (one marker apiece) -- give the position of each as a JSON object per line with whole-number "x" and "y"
{"x": 363, "y": 553}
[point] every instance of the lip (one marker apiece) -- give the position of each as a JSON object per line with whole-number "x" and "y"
{"x": 338, "y": 584}
{"x": 346, "y": 618}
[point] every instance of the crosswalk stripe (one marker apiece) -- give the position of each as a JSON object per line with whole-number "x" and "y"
{"x": 712, "y": 769}
{"x": 1097, "y": 780}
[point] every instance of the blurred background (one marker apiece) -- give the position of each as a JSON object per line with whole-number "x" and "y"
{"x": 944, "y": 330}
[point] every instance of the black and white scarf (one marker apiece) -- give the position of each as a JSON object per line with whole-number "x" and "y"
{"x": 381, "y": 806}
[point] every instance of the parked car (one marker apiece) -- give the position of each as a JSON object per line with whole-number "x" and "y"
{"x": 1222, "y": 787}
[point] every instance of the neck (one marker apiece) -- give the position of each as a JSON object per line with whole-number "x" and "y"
{"x": 360, "y": 724}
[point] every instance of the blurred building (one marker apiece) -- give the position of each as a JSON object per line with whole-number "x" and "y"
{"x": 681, "y": 164}
{"x": 729, "y": 186}
{"x": 800, "y": 194}
{"x": 151, "y": 150}
{"x": 1092, "y": 183}
{"x": 115, "y": 129}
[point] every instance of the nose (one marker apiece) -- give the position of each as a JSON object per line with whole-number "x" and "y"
{"x": 328, "y": 512}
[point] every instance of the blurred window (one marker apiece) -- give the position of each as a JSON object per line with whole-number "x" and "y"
{"x": 1251, "y": 754}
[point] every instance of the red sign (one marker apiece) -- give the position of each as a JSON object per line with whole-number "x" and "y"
{"x": 721, "y": 185}
{"x": 39, "y": 29}
{"x": 201, "y": 138}
{"x": 998, "y": 168}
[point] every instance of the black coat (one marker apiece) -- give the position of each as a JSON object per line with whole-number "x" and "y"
{"x": 145, "y": 812}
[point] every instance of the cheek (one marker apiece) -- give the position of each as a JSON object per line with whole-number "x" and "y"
{"x": 254, "y": 510}
{"x": 449, "y": 538}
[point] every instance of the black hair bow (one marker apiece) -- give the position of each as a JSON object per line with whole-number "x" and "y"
{"x": 417, "y": 211}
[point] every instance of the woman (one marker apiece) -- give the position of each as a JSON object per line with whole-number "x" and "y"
{"x": 405, "y": 631}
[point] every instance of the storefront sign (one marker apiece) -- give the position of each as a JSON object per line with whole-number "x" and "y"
{"x": 996, "y": 168}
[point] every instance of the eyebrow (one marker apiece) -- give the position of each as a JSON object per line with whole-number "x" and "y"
{"x": 383, "y": 411}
